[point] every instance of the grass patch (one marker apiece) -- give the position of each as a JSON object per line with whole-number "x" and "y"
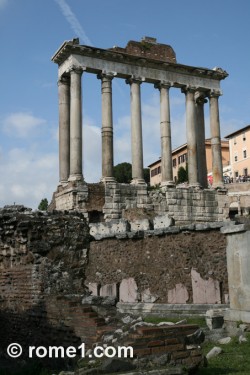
{"x": 155, "y": 320}
{"x": 235, "y": 359}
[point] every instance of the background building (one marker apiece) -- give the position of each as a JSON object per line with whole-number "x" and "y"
{"x": 179, "y": 159}
{"x": 239, "y": 146}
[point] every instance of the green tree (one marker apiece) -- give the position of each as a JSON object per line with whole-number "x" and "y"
{"x": 146, "y": 173}
{"x": 182, "y": 175}
{"x": 43, "y": 205}
{"x": 123, "y": 173}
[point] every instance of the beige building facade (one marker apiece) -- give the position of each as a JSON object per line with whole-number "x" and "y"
{"x": 239, "y": 145}
{"x": 180, "y": 159}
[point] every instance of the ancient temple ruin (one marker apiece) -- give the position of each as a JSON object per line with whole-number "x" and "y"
{"x": 137, "y": 64}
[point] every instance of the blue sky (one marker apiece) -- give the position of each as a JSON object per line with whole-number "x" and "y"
{"x": 207, "y": 34}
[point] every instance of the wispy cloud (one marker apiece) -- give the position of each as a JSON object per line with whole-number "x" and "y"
{"x": 21, "y": 124}
{"x": 73, "y": 21}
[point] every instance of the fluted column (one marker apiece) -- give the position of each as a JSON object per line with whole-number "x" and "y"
{"x": 64, "y": 128}
{"x": 191, "y": 137}
{"x": 136, "y": 131}
{"x": 166, "y": 144}
{"x": 216, "y": 139}
{"x": 75, "y": 125}
{"x": 200, "y": 100}
{"x": 107, "y": 128}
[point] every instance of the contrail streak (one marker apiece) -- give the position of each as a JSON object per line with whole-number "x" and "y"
{"x": 73, "y": 21}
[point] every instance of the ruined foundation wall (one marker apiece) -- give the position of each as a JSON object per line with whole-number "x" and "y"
{"x": 47, "y": 259}
{"x": 43, "y": 259}
{"x": 186, "y": 267}
{"x": 114, "y": 199}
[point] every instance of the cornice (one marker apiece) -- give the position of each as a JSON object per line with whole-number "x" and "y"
{"x": 71, "y": 48}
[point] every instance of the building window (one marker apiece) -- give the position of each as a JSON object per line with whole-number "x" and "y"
{"x": 235, "y": 141}
{"x": 236, "y": 174}
{"x": 182, "y": 158}
{"x": 244, "y": 154}
{"x": 245, "y": 172}
{"x": 155, "y": 171}
{"x": 174, "y": 162}
{"x": 244, "y": 137}
{"x": 235, "y": 158}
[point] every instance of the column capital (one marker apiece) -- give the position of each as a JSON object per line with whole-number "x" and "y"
{"x": 214, "y": 93}
{"x": 135, "y": 79}
{"x": 189, "y": 89}
{"x": 76, "y": 69}
{"x": 107, "y": 75}
{"x": 200, "y": 97}
{"x": 63, "y": 80}
{"x": 163, "y": 84}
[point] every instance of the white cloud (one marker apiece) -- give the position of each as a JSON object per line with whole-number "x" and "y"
{"x": 73, "y": 21}
{"x": 27, "y": 176}
{"x": 21, "y": 124}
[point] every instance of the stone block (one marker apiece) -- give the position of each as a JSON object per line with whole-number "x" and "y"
{"x": 214, "y": 318}
{"x": 142, "y": 224}
{"x": 109, "y": 229}
{"x": 162, "y": 221}
{"x": 205, "y": 291}
{"x": 233, "y": 229}
{"x": 128, "y": 291}
{"x": 148, "y": 297}
{"x": 172, "y": 201}
{"x": 178, "y": 295}
{"x": 93, "y": 288}
{"x": 120, "y": 226}
{"x": 108, "y": 290}
{"x": 202, "y": 226}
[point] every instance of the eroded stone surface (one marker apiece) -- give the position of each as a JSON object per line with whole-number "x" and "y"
{"x": 205, "y": 291}
{"x": 128, "y": 290}
{"x": 178, "y": 295}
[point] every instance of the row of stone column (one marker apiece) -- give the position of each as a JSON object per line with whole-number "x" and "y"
{"x": 70, "y": 132}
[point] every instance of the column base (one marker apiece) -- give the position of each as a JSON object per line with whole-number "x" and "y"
{"x": 167, "y": 184}
{"x": 195, "y": 185}
{"x": 75, "y": 177}
{"x": 108, "y": 180}
{"x": 63, "y": 183}
{"x": 218, "y": 185}
{"x": 138, "y": 181}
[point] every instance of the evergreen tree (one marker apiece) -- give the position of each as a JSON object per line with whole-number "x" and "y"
{"x": 43, "y": 205}
{"x": 182, "y": 175}
{"x": 123, "y": 173}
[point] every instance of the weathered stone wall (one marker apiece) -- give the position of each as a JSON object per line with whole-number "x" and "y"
{"x": 238, "y": 261}
{"x": 186, "y": 267}
{"x": 42, "y": 257}
{"x": 113, "y": 200}
{"x": 150, "y": 49}
{"x": 120, "y": 197}
{"x": 191, "y": 205}
{"x": 46, "y": 259}
{"x": 50, "y": 250}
